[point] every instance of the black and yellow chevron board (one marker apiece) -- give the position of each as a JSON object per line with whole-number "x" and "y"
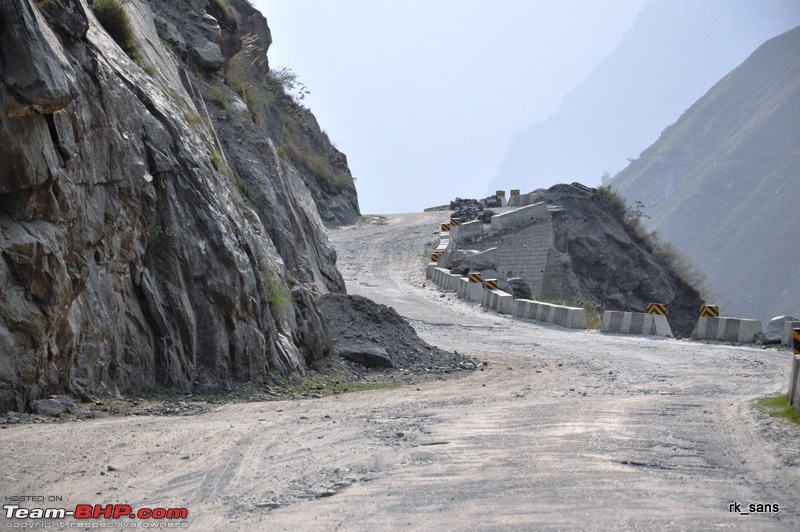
{"x": 659, "y": 309}
{"x": 436, "y": 255}
{"x": 445, "y": 228}
{"x": 796, "y": 341}
{"x": 709, "y": 311}
{"x": 490, "y": 284}
{"x": 455, "y": 222}
{"x": 500, "y": 193}
{"x": 474, "y": 277}
{"x": 515, "y": 192}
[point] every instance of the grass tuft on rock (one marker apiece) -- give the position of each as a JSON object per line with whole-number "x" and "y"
{"x": 115, "y": 20}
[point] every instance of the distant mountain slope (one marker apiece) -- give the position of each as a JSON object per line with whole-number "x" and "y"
{"x": 723, "y": 182}
{"x": 673, "y": 53}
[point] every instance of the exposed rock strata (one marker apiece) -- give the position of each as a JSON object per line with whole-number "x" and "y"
{"x": 146, "y": 243}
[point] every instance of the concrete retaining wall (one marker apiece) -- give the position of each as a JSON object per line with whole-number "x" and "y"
{"x": 728, "y": 329}
{"x": 524, "y": 254}
{"x": 617, "y": 321}
{"x": 537, "y": 211}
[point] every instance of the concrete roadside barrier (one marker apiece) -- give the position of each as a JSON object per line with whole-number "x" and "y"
{"x": 521, "y": 200}
{"x": 455, "y": 225}
{"x": 537, "y": 211}
{"x": 474, "y": 289}
{"x": 617, "y": 321}
{"x": 470, "y": 229}
{"x": 451, "y": 282}
{"x": 569, "y": 317}
{"x": 501, "y": 196}
{"x": 441, "y": 277}
{"x": 657, "y": 308}
{"x": 796, "y": 341}
{"x": 709, "y": 311}
{"x": 498, "y": 301}
{"x": 523, "y": 308}
{"x": 793, "y": 384}
{"x": 737, "y": 330}
{"x": 788, "y": 328}
{"x": 429, "y": 270}
{"x": 469, "y": 290}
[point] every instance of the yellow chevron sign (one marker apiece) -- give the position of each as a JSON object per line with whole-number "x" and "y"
{"x": 455, "y": 222}
{"x": 515, "y": 192}
{"x": 500, "y": 194}
{"x": 796, "y": 341}
{"x": 474, "y": 277}
{"x": 436, "y": 255}
{"x": 445, "y": 228}
{"x": 709, "y": 311}
{"x": 490, "y": 284}
{"x": 659, "y": 309}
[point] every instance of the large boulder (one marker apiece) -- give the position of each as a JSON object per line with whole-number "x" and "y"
{"x": 53, "y": 406}
{"x": 368, "y": 355}
{"x": 208, "y": 55}
{"x": 774, "y": 331}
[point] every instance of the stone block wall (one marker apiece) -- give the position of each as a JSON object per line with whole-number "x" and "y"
{"x": 523, "y": 253}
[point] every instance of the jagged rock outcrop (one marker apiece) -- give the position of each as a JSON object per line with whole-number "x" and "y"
{"x": 145, "y": 242}
{"x": 599, "y": 257}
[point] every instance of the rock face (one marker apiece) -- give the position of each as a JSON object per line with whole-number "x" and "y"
{"x": 148, "y": 239}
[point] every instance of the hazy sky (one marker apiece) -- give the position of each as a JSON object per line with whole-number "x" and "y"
{"x": 423, "y": 96}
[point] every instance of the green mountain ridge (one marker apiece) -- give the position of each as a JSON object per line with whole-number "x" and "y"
{"x": 721, "y": 183}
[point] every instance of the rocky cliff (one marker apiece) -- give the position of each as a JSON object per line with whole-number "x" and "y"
{"x": 159, "y": 196}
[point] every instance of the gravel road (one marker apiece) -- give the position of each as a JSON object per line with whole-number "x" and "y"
{"x": 560, "y": 430}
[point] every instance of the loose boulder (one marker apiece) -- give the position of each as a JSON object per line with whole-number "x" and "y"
{"x": 368, "y": 355}
{"x": 774, "y": 332}
{"x": 53, "y": 406}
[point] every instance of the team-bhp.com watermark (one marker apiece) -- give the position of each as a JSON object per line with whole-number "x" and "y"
{"x": 94, "y": 516}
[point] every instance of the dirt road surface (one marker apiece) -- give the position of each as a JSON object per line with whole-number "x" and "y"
{"x": 562, "y": 430}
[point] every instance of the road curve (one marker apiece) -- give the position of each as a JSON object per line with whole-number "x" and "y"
{"x": 562, "y": 430}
